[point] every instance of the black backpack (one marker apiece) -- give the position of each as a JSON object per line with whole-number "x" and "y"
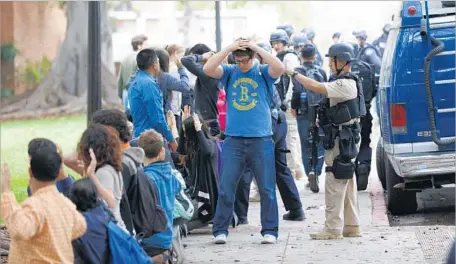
{"x": 366, "y": 75}
{"x": 148, "y": 217}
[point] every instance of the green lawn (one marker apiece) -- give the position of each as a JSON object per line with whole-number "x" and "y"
{"x": 15, "y": 135}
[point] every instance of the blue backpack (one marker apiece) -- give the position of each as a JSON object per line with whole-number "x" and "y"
{"x": 124, "y": 248}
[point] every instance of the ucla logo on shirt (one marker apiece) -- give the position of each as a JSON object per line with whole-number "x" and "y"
{"x": 244, "y": 95}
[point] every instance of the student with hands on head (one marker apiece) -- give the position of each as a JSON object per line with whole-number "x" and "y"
{"x": 249, "y": 90}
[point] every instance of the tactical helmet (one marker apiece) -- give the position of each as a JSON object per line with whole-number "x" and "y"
{"x": 387, "y": 28}
{"x": 308, "y": 51}
{"x": 309, "y": 32}
{"x": 362, "y": 34}
{"x": 299, "y": 39}
{"x": 288, "y": 28}
{"x": 342, "y": 51}
{"x": 279, "y": 35}
{"x": 265, "y": 46}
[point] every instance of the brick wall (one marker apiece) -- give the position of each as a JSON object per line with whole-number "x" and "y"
{"x": 39, "y": 29}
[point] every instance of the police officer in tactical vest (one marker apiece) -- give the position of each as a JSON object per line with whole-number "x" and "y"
{"x": 279, "y": 41}
{"x": 368, "y": 57}
{"x": 311, "y": 37}
{"x": 367, "y": 52}
{"x": 339, "y": 119}
{"x": 380, "y": 43}
{"x": 304, "y": 104}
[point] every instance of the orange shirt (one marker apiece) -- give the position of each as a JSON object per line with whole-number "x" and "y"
{"x": 42, "y": 229}
{"x": 124, "y": 145}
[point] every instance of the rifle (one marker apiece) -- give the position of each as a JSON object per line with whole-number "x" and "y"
{"x": 313, "y": 138}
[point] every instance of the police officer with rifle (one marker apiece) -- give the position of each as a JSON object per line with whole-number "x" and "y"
{"x": 304, "y": 106}
{"x": 367, "y": 68}
{"x": 339, "y": 119}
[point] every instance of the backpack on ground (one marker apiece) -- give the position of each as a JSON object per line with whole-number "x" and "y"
{"x": 148, "y": 217}
{"x": 183, "y": 205}
{"x": 124, "y": 248}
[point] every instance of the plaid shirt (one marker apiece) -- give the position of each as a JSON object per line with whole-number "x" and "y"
{"x": 42, "y": 228}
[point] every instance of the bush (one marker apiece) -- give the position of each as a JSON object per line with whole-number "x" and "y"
{"x": 8, "y": 52}
{"x": 34, "y": 72}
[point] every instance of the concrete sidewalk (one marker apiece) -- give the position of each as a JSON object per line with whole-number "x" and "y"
{"x": 379, "y": 244}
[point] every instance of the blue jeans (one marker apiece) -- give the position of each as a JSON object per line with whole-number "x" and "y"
{"x": 259, "y": 154}
{"x": 303, "y": 128}
{"x": 285, "y": 182}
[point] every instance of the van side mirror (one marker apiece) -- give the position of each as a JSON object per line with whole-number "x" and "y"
{"x": 423, "y": 27}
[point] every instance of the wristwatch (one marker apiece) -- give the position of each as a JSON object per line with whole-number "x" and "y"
{"x": 294, "y": 74}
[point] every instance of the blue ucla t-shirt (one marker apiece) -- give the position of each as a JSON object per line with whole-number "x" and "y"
{"x": 248, "y": 99}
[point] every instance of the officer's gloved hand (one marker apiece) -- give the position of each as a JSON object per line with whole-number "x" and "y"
{"x": 283, "y": 108}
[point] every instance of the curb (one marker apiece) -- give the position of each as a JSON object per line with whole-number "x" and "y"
{"x": 379, "y": 210}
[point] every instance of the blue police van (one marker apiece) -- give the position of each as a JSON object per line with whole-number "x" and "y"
{"x": 416, "y": 150}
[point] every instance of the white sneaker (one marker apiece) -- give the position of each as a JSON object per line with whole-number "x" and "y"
{"x": 255, "y": 199}
{"x": 220, "y": 239}
{"x": 269, "y": 239}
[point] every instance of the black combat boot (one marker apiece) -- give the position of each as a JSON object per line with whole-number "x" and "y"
{"x": 295, "y": 215}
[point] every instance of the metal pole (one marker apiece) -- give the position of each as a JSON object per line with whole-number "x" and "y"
{"x": 94, "y": 66}
{"x": 218, "y": 31}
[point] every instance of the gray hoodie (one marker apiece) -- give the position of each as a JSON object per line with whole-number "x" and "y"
{"x": 132, "y": 157}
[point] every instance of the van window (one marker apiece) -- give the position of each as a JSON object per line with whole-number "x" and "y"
{"x": 388, "y": 56}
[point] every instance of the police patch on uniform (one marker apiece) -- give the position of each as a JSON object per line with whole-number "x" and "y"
{"x": 339, "y": 82}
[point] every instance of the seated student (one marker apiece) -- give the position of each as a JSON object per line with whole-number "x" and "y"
{"x": 64, "y": 182}
{"x": 43, "y": 227}
{"x": 92, "y": 247}
{"x": 201, "y": 160}
{"x": 159, "y": 172}
{"x": 105, "y": 143}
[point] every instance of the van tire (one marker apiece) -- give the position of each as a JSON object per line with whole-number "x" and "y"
{"x": 380, "y": 161}
{"x": 399, "y": 202}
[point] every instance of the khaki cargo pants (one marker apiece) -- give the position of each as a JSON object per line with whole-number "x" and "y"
{"x": 294, "y": 158}
{"x": 341, "y": 198}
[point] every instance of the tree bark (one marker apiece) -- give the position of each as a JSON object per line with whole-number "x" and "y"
{"x": 64, "y": 89}
{"x": 188, "y": 13}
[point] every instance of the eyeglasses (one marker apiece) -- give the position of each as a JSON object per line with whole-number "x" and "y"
{"x": 244, "y": 61}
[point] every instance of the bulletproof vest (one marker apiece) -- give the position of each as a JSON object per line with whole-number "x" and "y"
{"x": 348, "y": 110}
{"x": 284, "y": 83}
{"x": 366, "y": 76}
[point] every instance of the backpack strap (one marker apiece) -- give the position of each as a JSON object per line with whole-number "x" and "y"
{"x": 229, "y": 78}
{"x": 270, "y": 96}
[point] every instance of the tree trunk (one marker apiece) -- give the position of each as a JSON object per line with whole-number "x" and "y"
{"x": 64, "y": 89}
{"x": 188, "y": 13}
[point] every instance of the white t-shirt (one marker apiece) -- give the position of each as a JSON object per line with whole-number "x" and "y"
{"x": 291, "y": 61}
{"x": 341, "y": 90}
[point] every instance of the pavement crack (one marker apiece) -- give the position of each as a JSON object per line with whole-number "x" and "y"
{"x": 285, "y": 250}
